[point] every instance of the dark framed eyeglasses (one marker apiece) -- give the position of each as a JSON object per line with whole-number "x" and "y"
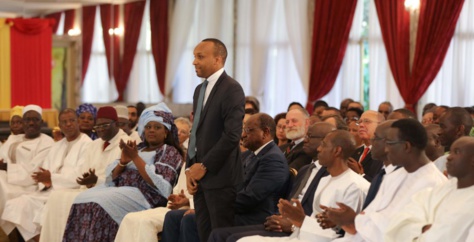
{"x": 313, "y": 137}
{"x": 394, "y": 142}
{"x": 103, "y": 126}
{"x": 376, "y": 138}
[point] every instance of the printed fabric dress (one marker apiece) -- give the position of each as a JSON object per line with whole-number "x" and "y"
{"x": 96, "y": 213}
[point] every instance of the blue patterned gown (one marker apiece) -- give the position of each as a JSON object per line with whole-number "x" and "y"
{"x": 96, "y": 213}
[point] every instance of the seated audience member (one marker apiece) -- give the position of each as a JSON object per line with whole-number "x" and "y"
{"x": 140, "y": 107}
{"x": 343, "y": 106}
{"x": 133, "y": 117}
{"x": 319, "y": 107}
{"x": 354, "y": 130}
{"x": 385, "y": 108}
{"x": 252, "y": 103}
{"x": 429, "y": 106}
{"x": 434, "y": 149}
{"x": 337, "y": 121}
{"x": 280, "y": 134}
{"x": 365, "y": 164}
{"x": 297, "y": 123}
{"x": 314, "y": 119}
{"x": 184, "y": 131}
{"x": 356, "y": 105}
{"x": 124, "y": 123}
{"x": 99, "y": 154}
{"x": 405, "y": 143}
{"x": 353, "y": 114}
{"x": 330, "y": 112}
{"x": 141, "y": 179}
{"x": 294, "y": 105}
{"x": 87, "y": 114}
{"x": 438, "y": 111}
{"x": 400, "y": 114}
{"x": 379, "y": 153}
{"x": 427, "y": 117}
{"x": 454, "y": 123}
{"x": 266, "y": 175}
{"x": 59, "y": 171}
{"x": 445, "y": 212}
{"x": 304, "y": 187}
{"x": 24, "y": 158}
{"x": 342, "y": 185}
{"x": 248, "y": 113}
{"x": 17, "y": 133}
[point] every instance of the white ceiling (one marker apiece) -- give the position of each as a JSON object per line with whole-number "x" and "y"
{"x": 31, "y": 8}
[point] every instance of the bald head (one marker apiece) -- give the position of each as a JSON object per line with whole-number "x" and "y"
{"x": 315, "y": 135}
{"x": 461, "y": 161}
{"x": 367, "y": 124}
{"x": 343, "y": 139}
{"x": 378, "y": 141}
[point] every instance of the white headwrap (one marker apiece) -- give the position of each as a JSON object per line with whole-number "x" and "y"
{"x": 33, "y": 107}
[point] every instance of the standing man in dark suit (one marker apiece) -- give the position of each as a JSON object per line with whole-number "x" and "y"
{"x": 213, "y": 167}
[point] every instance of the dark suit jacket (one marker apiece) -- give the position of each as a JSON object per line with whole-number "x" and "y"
{"x": 307, "y": 200}
{"x": 296, "y": 158}
{"x": 264, "y": 177}
{"x": 371, "y": 167}
{"x": 218, "y": 134}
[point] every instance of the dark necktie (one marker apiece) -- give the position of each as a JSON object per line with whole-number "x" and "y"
{"x": 304, "y": 180}
{"x": 288, "y": 149}
{"x": 106, "y": 143}
{"x": 374, "y": 188}
{"x": 197, "y": 116}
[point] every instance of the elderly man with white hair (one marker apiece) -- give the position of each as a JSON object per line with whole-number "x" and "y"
{"x": 24, "y": 157}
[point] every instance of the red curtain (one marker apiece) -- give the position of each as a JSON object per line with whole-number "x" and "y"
{"x": 159, "y": 38}
{"x": 31, "y": 45}
{"x": 88, "y": 19}
{"x": 332, "y": 24}
{"x": 109, "y": 14}
{"x": 133, "y": 15}
{"x": 437, "y": 22}
{"x": 69, "y": 16}
{"x": 57, "y": 18}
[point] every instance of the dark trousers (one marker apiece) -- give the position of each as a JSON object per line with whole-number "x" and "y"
{"x": 214, "y": 209}
{"x": 179, "y": 228}
{"x": 232, "y": 234}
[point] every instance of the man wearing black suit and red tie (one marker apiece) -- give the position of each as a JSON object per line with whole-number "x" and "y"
{"x": 213, "y": 166}
{"x": 364, "y": 164}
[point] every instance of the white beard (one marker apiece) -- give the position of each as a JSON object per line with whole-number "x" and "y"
{"x": 296, "y": 134}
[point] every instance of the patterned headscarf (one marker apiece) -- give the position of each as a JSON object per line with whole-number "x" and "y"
{"x": 159, "y": 113}
{"x": 86, "y": 107}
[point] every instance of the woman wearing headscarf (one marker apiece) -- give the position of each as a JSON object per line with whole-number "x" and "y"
{"x": 17, "y": 133}
{"x": 86, "y": 114}
{"x": 141, "y": 179}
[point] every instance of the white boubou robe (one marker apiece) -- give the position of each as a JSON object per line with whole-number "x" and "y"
{"x": 448, "y": 209}
{"x": 24, "y": 157}
{"x": 64, "y": 162}
{"x": 395, "y": 192}
{"x": 349, "y": 188}
{"x": 56, "y": 211}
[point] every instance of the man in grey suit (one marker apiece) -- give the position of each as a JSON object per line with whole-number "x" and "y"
{"x": 214, "y": 169}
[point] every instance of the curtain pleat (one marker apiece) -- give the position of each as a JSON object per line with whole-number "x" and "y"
{"x": 5, "y": 77}
{"x": 159, "y": 39}
{"x": 88, "y": 19}
{"x": 332, "y": 24}
{"x": 31, "y": 43}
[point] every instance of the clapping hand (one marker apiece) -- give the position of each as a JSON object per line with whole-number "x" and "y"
{"x": 178, "y": 200}
{"x": 88, "y": 179}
